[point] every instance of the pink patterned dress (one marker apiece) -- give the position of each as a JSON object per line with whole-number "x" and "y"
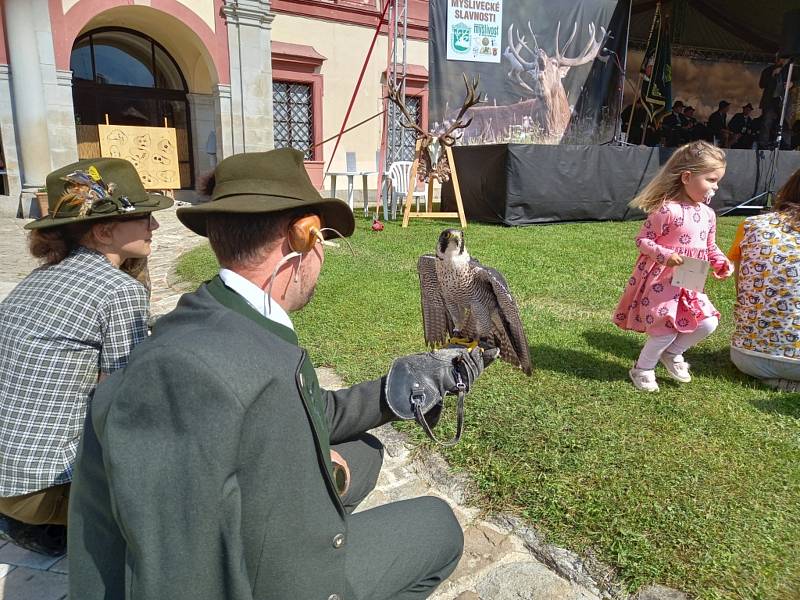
{"x": 650, "y": 303}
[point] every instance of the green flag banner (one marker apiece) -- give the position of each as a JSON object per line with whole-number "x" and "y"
{"x": 657, "y": 67}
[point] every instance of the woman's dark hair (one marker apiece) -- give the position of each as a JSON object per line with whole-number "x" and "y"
{"x": 787, "y": 200}
{"x": 53, "y": 244}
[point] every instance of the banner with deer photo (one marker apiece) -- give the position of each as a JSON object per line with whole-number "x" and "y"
{"x": 557, "y": 80}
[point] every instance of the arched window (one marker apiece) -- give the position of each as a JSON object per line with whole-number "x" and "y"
{"x": 124, "y": 77}
{"x": 124, "y": 57}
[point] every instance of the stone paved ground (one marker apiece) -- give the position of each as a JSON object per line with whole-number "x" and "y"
{"x": 503, "y": 559}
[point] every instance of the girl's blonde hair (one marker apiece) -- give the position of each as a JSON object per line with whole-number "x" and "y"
{"x": 696, "y": 157}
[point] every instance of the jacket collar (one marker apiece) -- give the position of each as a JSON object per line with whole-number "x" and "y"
{"x": 230, "y": 299}
{"x": 255, "y": 297}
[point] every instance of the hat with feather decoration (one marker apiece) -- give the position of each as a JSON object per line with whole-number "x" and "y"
{"x": 96, "y": 188}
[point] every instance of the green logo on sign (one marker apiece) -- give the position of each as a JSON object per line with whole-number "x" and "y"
{"x": 460, "y": 38}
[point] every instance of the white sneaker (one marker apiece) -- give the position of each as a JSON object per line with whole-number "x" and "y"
{"x": 643, "y": 379}
{"x": 677, "y": 368}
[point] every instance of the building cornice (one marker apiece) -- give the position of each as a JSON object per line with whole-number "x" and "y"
{"x": 223, "y": 90}
{"x": 255, "y": 13}
{"x": 352, "y": 14}
{"x": 64, "y": 77}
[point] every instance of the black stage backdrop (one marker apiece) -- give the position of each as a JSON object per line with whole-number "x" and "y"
{"x": 525, "y": 184}
{"x": 540, "y": 100}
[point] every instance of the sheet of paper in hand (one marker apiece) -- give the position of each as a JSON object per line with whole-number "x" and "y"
{"x": 691, "y": 274}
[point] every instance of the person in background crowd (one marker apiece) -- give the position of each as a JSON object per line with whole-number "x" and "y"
{"x": 694, "y": 128}
{"x": 773, "y": 82}
{"x": 718, "y": 124}
{"x": 673, "y": 126}
{"x": 741, "y": 128}
{"x": 66, "y": 326}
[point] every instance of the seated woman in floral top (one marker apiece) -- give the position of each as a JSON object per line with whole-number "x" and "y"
{"x": 766, "y": 252}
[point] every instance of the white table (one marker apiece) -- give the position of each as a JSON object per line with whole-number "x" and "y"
{"x": 350, "y": 175}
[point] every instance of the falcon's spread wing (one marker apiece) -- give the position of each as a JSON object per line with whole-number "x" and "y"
{"x": 435, "y": 318}
{"x": 508, "y": 328}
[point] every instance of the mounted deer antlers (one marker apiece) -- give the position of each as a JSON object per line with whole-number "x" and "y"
{"x": 546, "y": 72}
{"x": 430, "y": 166}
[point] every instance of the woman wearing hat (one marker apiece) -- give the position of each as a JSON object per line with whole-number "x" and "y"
{"x": 65, "y": 326}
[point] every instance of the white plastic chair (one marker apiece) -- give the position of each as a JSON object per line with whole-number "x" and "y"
{"x": 399, "y": 172}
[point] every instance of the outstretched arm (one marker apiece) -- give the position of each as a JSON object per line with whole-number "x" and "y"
{"x": 356, "y": 409}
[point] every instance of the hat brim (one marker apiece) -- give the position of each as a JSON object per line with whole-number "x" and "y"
{"x": 49, "y": 221}
{"x": 335, "y": 213}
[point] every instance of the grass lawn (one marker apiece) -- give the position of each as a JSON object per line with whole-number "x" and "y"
{"x": 696, "y": 487}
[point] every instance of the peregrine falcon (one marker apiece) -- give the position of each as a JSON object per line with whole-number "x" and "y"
{"x": 461, "y": 298}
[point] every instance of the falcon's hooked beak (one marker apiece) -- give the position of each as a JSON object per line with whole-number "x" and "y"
{"x": 450, "y": 239}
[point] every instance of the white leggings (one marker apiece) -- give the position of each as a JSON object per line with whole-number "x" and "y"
{"x": 673, "y": 343}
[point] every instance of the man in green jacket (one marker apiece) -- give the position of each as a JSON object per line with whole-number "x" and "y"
{"x": 205, "y": 468}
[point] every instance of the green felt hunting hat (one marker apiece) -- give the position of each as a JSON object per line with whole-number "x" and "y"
{"x": 96, "y": 188}
{"x": 266, "y": 182}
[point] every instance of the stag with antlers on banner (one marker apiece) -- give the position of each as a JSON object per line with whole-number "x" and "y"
{"x": 540, "y": 75}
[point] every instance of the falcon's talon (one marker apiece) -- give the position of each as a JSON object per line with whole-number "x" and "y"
{"x": 459, "y": 341}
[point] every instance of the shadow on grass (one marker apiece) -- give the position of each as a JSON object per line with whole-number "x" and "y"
{"x": 576, "y": 363}
{"x": 614, "y": 342}
{"x": 704, "y": 361}
{"x": 787, "y": 404}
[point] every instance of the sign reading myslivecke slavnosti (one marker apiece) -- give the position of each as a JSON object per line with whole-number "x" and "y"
{"x": 474, "y": 30}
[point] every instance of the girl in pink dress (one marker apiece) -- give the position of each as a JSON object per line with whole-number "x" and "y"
{"x": 679, "y": 223}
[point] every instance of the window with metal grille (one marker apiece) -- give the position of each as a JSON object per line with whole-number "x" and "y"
{"x": 408, "y": 140}
{"x": 294, "y": 116}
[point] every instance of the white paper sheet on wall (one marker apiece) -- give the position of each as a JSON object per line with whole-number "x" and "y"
{"x": 691, "y": 274}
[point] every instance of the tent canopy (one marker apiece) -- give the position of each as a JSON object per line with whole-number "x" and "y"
{"x": 735, "y": 29}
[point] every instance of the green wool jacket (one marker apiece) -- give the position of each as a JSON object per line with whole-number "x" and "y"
{"x": 204, "y": 470}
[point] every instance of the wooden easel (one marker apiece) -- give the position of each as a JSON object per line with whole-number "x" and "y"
{"x": 412, "y": 184}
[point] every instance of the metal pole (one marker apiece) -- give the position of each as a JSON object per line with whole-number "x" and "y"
{"x": 392, "y": 26}
{"x": 405, "y": 45}
{"x": 623, "y": 75}
{"x": 785, "y": 102}
{"x": 391, "y": 112}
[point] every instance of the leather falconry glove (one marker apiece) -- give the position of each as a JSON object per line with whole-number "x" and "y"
{"x": 417, "y": 383}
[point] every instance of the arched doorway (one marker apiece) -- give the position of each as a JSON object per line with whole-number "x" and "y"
{"x": 124, "y": 77}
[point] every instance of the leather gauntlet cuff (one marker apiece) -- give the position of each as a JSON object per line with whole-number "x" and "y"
{"x": 416, "y": 384}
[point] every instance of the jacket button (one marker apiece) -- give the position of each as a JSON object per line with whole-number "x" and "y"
{"x": 334, "y": 597}
{"x": 338, "y": 540}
